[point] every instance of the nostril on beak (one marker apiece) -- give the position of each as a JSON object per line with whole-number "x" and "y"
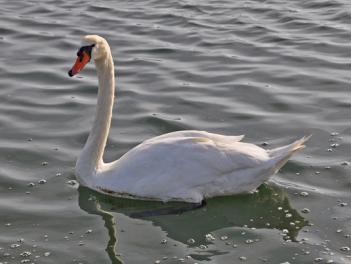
{"x": 70, "y": 74}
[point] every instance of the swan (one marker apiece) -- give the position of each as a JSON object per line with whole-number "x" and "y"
{"x": 187, "y": 166}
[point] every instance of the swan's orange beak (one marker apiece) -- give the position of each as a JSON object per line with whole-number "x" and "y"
{"x": 82, "y": 59}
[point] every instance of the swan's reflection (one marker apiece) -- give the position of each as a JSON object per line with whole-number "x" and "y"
{"x": 91, "y": 205}
{"x": 269, "y": 207}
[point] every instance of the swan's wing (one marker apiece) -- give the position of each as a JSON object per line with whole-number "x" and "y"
{"x": 162, "y": 166}
{"x": 196, "y": 133}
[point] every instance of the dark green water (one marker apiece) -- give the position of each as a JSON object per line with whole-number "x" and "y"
{"x": 272, "y": 70}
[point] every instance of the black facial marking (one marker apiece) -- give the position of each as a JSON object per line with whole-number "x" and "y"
{"x": 87, "y": 49}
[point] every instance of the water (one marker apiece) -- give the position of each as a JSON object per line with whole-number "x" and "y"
{"x": 273, "y": 70}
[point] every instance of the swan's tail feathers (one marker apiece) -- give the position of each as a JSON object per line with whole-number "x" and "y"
{"x": 282, "y": 154}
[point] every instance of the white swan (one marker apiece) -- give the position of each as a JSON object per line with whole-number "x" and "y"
{"x": 184, "y": 165}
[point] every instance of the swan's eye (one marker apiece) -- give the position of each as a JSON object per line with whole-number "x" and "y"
{"x": 85, "y": 49}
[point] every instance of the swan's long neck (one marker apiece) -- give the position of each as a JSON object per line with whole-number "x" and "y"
{"x": 91, "y": 158}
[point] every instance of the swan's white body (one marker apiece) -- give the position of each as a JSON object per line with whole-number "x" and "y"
{"x": 185, "y": 165}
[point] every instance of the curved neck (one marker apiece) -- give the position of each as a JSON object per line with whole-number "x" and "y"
{"x": 91, "y": 157}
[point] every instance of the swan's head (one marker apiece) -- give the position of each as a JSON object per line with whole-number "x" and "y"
{"x": 97, "y": 48}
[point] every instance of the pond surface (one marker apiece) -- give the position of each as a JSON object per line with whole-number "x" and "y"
{"x": 272, "y": 70}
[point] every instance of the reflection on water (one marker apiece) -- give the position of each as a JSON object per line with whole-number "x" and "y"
{"x": 268, "y": 208}
{"x": 92, "y": 206}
